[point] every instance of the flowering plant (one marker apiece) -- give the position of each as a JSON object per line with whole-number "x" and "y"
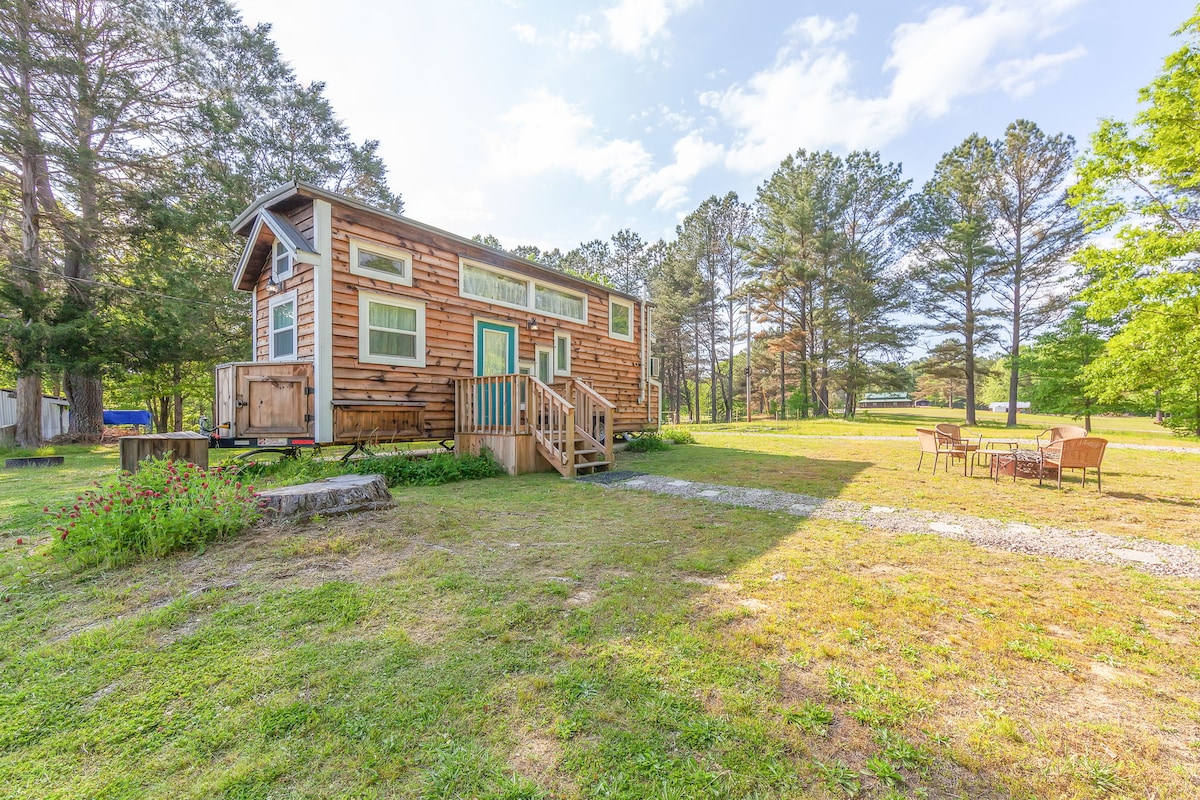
{"x": 164, "y": 506}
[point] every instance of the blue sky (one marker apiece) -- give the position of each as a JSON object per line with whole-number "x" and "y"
{"x": 550, "y": 123}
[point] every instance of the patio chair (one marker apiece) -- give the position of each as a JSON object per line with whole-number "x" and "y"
{"x": 928, "y": 439}
{"x": 1084, "y": 454}
{"x": 959, "y": 446}
{"x": 1059, "y": 433}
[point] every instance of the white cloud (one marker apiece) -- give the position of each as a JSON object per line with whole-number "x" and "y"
{"x": 633, "y": 25}
{"x": 807, "y": 98}
{"x": 545, "y": 133}
{"x": 526, "y": 33}
{"x": 816, "y": 30}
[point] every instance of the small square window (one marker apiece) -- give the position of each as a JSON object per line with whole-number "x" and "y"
{"x": 620, "y": 319}
{"x": 381, "y": 263}
{"x": 281, "y": 261}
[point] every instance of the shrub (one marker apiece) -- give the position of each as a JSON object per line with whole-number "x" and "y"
{"x": 405, "y": 470}
{"x": 677, "y": 434}
{"x": 165, "y": 506}
{"x": 646, "y": 443}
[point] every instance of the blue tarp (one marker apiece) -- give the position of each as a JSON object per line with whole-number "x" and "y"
{"x": 127, "y": 418}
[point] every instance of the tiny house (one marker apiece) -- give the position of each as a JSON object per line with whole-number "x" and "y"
{"x": 371, "y": 327}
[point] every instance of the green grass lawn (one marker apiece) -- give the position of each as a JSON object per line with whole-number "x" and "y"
{"x": 902, "y": 421}
{"x": 534, "y": 638}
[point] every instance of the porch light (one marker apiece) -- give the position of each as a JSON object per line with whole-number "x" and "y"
{"x": 272, "y": 285}
{"x": 532, "y": 324}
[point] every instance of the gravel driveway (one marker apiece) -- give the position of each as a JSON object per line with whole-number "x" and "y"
{"x": 1156, "y": 558}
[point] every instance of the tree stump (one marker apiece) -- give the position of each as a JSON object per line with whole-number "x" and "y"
{"x": 341, "y": 494}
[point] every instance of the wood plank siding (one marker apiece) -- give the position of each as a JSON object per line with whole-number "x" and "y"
{"x": 613, "y": 367}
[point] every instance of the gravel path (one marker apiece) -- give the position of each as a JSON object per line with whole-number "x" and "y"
{"x": 1161, "y": 448}
{"x": 1156, "y": 558}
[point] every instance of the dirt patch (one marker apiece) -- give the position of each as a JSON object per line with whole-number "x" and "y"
{"x": 536, "y": 757}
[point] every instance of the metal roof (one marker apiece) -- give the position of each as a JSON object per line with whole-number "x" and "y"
{"x": 244, "y": 220}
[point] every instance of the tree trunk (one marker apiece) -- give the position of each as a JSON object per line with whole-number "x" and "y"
{"x": 27, "y": 353}
{"x": 177, "y": 397}
{"x": 29, "y": 411}
{"x": 1015, "y": 352}
{"x": 86, "y": 396}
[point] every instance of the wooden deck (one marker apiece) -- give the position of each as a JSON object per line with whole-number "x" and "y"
{"x": 519, "y": 418}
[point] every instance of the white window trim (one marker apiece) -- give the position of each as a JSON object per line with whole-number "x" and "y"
{"x": 531, "y": 285}
{"x": 280, "y": 277}
{"x": 386, "y": 252}
{"x": 279, "y": 300}
{"x": 537, "y": 352}
{"x": 364, "y": 339}
{"x": 616, "y": 301}
{"x": 554, "y": 353}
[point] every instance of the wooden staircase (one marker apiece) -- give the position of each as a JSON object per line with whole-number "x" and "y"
{"x": 572, "y": 431}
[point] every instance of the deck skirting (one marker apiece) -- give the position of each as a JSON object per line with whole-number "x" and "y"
{"x": 517, "y": 453}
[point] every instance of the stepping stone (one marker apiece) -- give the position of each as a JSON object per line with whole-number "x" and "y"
{"x": 881, "y": 510}
{"x": 680, "y": 483}
{"x": 1135, "y": 555}
{"x": 708, "y": 493}
{"x": 800, "y": 510}
{"x": 635, "y": 482}
{"x": 1017, "y": 527}
{"x": 341, "y": 494}
{"x": 946, "y": 527}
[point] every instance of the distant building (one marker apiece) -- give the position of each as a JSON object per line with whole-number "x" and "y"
{"x": 886, "y": 400}
{"x": 1002, "y": 408}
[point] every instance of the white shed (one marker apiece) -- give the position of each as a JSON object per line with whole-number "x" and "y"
{"x": 1002, "y": 408}
{"x": 56, "y": 413}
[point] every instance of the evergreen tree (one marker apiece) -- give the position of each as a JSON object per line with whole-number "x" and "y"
{"x": 955, "y": 264}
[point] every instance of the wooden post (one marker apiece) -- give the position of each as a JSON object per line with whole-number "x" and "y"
{"x": 570, "y": 442}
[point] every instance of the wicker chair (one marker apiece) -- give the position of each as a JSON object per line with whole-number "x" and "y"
{"x": 1084, "y": 454}
{"x": 1060, "y": 433}
{"x": 951, "y": 439}
{"x": 931, "y": 443}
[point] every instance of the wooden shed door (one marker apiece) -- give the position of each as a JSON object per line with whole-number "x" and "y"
{"x": 273, "y": 405}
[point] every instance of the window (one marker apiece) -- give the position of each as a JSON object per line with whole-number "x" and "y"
{"x": 620, "y": 319}
{"x": 281, "y": 320}
{"x": 559, "y": 303}
{"x": 545, "y": 365}
{"x": 484, "y": 284}
{"x": 562, "y": 354}
{"x": 281, "y": 261}
{"x": 391, "y": 330}
{"x": 381, "y": 263}
{"x": 517, "y": 291}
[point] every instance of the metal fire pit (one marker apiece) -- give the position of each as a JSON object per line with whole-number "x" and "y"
{"x": 1021, "y": 464}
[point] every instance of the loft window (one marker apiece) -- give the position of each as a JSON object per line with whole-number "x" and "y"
{"x": 497, "y": 287}
{"x": 391, "y": 330}
{"x": 559, "y": 303}
{"x": 281, "y": 262}
{"x": 282, "y": 321}
{"x": 517, "y": 291}
{"x": 381, "y": 263}
{"x": 620, "y": 319}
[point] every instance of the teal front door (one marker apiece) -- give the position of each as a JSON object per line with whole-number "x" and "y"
{"x": 495, "y": 354}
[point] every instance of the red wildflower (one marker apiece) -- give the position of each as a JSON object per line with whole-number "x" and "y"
{"x": 20, "y": 541}
{"x": 64, "y": 536}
